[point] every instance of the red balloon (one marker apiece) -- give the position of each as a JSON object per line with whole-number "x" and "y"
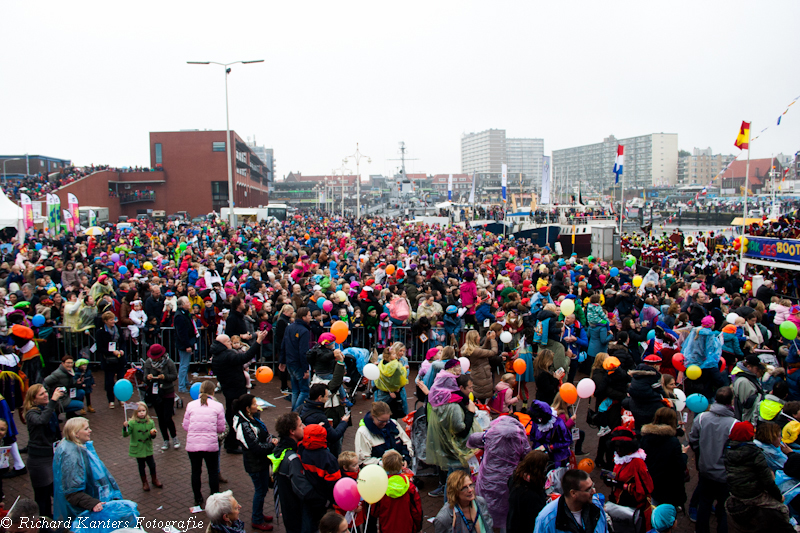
{"x": 678, "y": 362}
{"x": 722, "y": 365}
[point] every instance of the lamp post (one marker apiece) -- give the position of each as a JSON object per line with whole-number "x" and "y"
{"x": 231, "y": 216}
{"x": 343, "y": 169}
{"x": 358, "y": 156}
{"x": 4, "y": 166}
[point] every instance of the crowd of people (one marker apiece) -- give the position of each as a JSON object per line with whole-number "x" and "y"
{"x": 497, "y": 331}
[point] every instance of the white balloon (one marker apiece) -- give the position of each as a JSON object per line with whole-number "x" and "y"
{"x": 464, "y": 364}
{"x": 371, "y": 372}
{"x": 731, "y": 318}
{"x": 506, "y": 337}
{"x": 680, "y": 399}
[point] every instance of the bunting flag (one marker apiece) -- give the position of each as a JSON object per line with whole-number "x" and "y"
{"x": 743, "y": 139}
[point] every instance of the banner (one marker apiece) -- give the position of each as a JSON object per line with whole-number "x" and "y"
{"x": 546, "y": 180}
{"x": 69, "y": 221}
{"x": 51, "y": 215}
{"x": 450, "y": 188}
{"x": 787, "y": 250}
{"x": 92, "y": 218}
{"x": 472, "y": 191}
{"x": 504, "y": 181}
{"x": 27, "y": 211}
{"x": 74, "y": 210}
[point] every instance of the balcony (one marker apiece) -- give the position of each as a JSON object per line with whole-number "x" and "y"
{"x": 137, "y": 196}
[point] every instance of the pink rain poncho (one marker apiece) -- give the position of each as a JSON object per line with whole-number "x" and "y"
{"x": 504, "y": 445}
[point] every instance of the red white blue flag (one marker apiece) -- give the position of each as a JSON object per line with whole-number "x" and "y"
{"x": 619, "y": 161}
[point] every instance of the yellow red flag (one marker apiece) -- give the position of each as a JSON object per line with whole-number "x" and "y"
{"x": 743, "y": 139}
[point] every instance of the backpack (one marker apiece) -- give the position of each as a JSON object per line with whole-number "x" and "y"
{"x": 497, "y": 403}
{"x": 399, "y": 310}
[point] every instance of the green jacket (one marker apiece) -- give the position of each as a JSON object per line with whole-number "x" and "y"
{"x": 141, "y": 440}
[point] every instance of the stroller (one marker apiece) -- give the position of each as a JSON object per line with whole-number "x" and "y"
{"x": 354, "y": 360}
{"x": 417, "y": 431}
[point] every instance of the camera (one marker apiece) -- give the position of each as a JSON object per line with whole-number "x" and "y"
{"x": 609, "y": 478}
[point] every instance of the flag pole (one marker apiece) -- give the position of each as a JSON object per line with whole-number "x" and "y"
{"x": 744, "y": 218}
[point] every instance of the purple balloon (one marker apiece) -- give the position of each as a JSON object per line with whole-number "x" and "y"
{"x": 327, "y": 306}
{"x": 346, "y": 495}
{"x": 115, "y": 257}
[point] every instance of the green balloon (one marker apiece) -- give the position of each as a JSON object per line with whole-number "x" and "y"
{"x": 788, "y": 330}
{"x": 628, "y": 263}
{"x": 256, "y": 240}
{"x": 590, "y": 258}
{"x": 183, "y": 246}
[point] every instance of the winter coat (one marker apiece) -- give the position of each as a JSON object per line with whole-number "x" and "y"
{"x": 748, "y": 472}
{"x": 166, "y": 386}
{"x": 370, "y": 443}
{"x": 599, "y": 337}
{"x": 203, "y": 423}
{"x": 469, "y": 296}
{"x": 481, "y": 370}
{"x": 505, "y": 445}
{"x": 321, "y": 467}
{"x": 666, "y": 463}
{"x": 560, "y": 359}
{"x": 256, "y": 441}
{"x": 709, "y": 435}
{"x": 644, "y": 395}
{"x": 185, "y": 333}
{"x": 483, "y": 313}
{"x": 444, "y": 522}
{"x": 747, "y": 393}
{"x": 228, "y": 366}
{"x": 295, "y": 345}
{"x": 730, "y": 344}
{"x": 557, "y": 518}
{"x": 621, "y": 352}
{"x": 60, "y": 378}
{"x": 400, "y": 510}
{"x": 525, "y": 502}
{"x": 781, "y": 313}
{"x": 504, "y": 399}
{"x": 141, "y": 440}
{"x": 314, "y": 413}
{"x": 581, "y": 343}
{"x": 546, "y": 387}
{"x": 556, "y": 440}
{"x": 292, "y": 489}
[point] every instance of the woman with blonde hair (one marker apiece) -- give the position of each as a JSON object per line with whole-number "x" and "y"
{"x": 479, "y": 366}
{"x": 83, "y": 483}
{"x": 464, "y": 511}
{"x": 41, "y": 419}
{"x": 204, "y": 420}
{"x": 547, "y": 381}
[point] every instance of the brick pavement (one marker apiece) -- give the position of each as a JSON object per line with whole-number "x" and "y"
{"x": 174, "y": 500}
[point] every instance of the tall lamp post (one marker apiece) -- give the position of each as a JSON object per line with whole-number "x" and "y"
{"x": 231, "y": 216}
{"x": 4, "y": 166}
{"x": 358, "y": 156}
{"x": 343, "y": 169}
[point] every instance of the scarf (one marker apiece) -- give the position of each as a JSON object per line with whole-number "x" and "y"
{"x": 638, "y": 454}
{"x": 236, "y": 527}
{"x": 159, "y": 363}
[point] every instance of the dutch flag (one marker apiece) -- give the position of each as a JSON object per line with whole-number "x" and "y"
{"x": 619, "y": 161}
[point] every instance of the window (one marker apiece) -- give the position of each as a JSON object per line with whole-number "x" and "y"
{"x": 219, "y": 195}
{"x": 158, "y": 153}
{"x": 218, "y": 147}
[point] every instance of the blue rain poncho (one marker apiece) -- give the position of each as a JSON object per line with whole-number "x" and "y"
{"x": 77, "y": 468}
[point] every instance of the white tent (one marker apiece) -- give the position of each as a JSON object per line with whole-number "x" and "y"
{"x": 10, "y": 213}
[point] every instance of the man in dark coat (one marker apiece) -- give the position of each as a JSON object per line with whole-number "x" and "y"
{"x": 235, "y": 325}
{"x": 280, "y": 329}
{"x": 314, "y": 410}
{"x": 186, "y": 341}
{"x": 154, "y": 304}
{"x": 645, "y": 391}
{"x": 228, "y": 366}
{"x": 295, "y": 346}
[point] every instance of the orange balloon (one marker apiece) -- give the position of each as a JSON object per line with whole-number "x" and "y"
{"x": 587, "y": 465}
{"x": 390, "y": 270}
{"x": 568, "y": 393}
{"x": 340, "y": 331}
{"x": 520, "y": 366}
{"x": 264, "y": 374}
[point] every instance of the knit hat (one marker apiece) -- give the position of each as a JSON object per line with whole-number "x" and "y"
{"x": 315, "y": 437}
{"x": 708, "y": 322}
{"x": 611, "y": 363}
{"x": 451, "y": 310}
{"x": 451, "y": 363}
{"x": 663, "y": 517}
{"x": 742, "y": 432}
{"x": 430, "y": 354}
{"x": 469, "y": 276}
{"x": 327, "y": 338}
{"x": 81, "y": 362}
{"x": 384, "y": 316}
{"x": 730, "y": 328}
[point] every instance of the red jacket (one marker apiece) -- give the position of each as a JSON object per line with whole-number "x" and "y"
{"x": 400, "y": 511}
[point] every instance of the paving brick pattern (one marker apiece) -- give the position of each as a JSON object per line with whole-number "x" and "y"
{"x": 174, "y": 500}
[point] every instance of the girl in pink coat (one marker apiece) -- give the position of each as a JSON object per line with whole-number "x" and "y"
{"x": 469, "y": 297}
{"x": 203, "y": 421}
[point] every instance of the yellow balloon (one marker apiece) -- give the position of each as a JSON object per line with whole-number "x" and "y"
{"x": 471, "y": 397}
{"x": 148, "y": 265}
{"x": 744, "y": 241}
{"x": 637, "y": 281}
{"x": 693, "y": 372}
{"x": 567, "y": 307}
{"x": 372, "y": 483}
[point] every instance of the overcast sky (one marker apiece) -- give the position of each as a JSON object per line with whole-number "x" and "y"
{"x": 88, "y": 80}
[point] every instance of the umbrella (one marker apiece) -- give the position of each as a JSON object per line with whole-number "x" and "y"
{"x": 94, "y": 230}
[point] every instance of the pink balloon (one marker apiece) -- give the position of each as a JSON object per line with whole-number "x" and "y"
{"x": 328, "y": 307}
{"x": 346, "y": 495}
{"x": 586, "y": 388}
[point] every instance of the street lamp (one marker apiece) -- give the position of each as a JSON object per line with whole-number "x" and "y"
{"x": 4, "y": 166}
{"x": 231, "y": 217}
{"x": 343, "y": 169}
{"x": 357, "y": 156}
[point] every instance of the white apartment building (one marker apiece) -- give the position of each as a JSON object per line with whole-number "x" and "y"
{"x": 524, "y": 157}
{"x": 650, "y": 160}
{"x": 484, "y": 151}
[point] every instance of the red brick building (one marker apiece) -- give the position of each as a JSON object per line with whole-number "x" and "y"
{"x": 759, "y": 174}
{"x": 192, "y": 176}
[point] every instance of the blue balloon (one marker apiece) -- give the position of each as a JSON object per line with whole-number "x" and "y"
{"x": 320, "y": 302}
{"x": 697, "y": 403}
{"x": 38, "y": 246}
{"x": 37, "y": 321}
{"x": 123, "y": 270}
{"x": 194, "y": 390}
{"x": 123, "y": 390}
{"x": 614, "y": 272}
{"x": 651, "y": 334}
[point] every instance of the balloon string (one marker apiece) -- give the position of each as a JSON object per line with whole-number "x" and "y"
{"x": 366, "y": 523}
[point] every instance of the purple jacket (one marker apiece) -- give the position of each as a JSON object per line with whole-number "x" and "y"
{"x": 556, "y": 440}
{"x": 203, "y": 423}
{"x": 504, "y": 445}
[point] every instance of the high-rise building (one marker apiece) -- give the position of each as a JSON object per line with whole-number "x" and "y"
{"x": 701, "y": 167}
{"x": 650, "y": 160}
{"x": 267, "y": 157}
{"x": 484, "y": 151}
{"x": 524, "y": 157}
